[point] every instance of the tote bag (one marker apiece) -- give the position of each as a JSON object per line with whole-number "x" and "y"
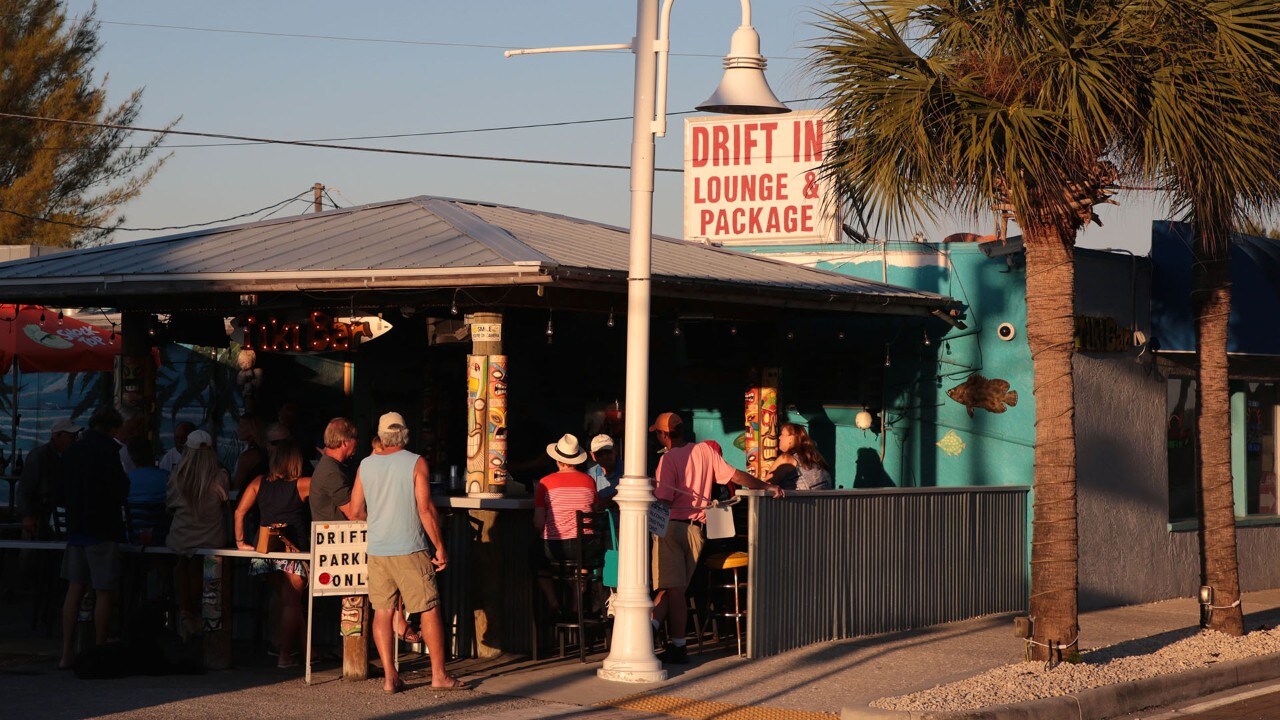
{"x": 609, "y": 575}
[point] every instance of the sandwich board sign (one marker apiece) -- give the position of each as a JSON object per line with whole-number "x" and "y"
{"x": 339, "y": 561}
{"x": 339, "y": 566}
{"x": 757, "y": 180}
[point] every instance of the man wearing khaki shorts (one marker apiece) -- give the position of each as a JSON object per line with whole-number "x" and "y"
{"x": 685, "y": 479}
{"x": 391, "y": 490}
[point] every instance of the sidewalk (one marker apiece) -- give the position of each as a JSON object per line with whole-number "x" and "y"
{"x": 813, "y": 683}
{"x": 846, "y": 674}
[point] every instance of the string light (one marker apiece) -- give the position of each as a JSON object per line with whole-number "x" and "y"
{"x": 927, "y": 341}
{"x": 791, "y": 335}
{"x": 60, "y": 316}
{"x": 453, "y": 304}
{"x": 551, "y": 331}
{"x": 886, "y": 355}
{"x": 41, "y": 318}
{"x": 609, "y": 322}
{"x": 840, "y": 335}
{"x": 733, "y": 329}
{"x": 676, "y": 331}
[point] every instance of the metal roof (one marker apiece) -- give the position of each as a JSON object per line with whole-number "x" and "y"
{"x": 429, "y": 242}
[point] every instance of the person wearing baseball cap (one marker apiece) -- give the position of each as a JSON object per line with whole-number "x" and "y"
{"x": 686, "y": 476}
{"x": 607, "y": 470}
{"x": 38, "y": 484}
{"x": 392, "y": 491}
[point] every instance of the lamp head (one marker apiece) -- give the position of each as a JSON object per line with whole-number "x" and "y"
{"x": 744, "y": 89}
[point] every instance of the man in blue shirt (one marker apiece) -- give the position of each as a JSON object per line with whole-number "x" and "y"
{"x": 606, "y": 471}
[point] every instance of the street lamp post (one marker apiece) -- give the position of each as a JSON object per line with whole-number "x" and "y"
{"x": 743, "y": 90}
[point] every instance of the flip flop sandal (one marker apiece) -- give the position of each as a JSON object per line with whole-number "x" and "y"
{"x": 457, "y": 685}
{"x": 399, "y": 686}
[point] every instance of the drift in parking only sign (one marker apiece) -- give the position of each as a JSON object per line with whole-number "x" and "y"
{"x": 756, "y": 179}
{"x": 339, "y": 561}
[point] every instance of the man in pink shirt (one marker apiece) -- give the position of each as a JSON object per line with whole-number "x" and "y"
{"x": 686, "y": 476}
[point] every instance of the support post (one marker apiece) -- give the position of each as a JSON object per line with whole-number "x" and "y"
{"x": 631, "y": 657}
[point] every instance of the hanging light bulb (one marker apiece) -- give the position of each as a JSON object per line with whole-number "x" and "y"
{"x": 886, "y": 361}
{"x": 733, "y": 329}
{"x": 791, "y": 335}
{"x": 839, "y": 334}
{"x": 41, "y": 318}
{"x": 609, "y": 322}
{"x": 676, "y": 331}
{"x": 453, "y": 305}
{"x": 112, "y": 339}
{"x": 60, "y": 316}
{"x": 927, "y": 341}
{"x": 551, "y": 331}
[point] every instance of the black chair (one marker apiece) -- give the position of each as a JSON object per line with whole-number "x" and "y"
{"x": 580, "y": 579}
{"x": 147, "y": 524}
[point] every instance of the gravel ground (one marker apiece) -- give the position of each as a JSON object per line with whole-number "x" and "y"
{"x": 1119, "y": 663}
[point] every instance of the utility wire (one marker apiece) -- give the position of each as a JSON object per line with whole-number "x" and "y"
{"x": 431, "y": 133}
{"x": 84, "y": 226}
{"x": 391, "y": 41}
{"x": 329, "y": 146}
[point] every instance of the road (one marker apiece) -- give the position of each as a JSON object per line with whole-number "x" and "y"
{"x": 1253, "y": 702}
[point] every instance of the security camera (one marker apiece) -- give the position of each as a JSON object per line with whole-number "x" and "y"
{"x": 1006, "y": 331}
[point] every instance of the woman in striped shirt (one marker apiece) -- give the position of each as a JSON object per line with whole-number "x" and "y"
{"x": 556, "y": 503}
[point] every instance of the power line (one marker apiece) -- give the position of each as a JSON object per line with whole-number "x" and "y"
{"x": 328, "y": 146}
{"x": 84, "y": 226}
{"x": 430, "y": 133}
{"x": 390, "y": 41}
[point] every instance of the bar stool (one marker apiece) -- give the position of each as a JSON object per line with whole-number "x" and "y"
{"x": 727, "y": 565}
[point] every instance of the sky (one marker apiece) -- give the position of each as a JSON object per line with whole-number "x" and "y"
{"x": 430, "y": 66}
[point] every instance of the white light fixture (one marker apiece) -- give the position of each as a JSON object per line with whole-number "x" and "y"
{"x": 862, "y": 420}
{"x": 743, "y": 91}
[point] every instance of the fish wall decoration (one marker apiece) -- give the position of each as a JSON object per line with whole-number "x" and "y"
{"x": 990, "y": 394}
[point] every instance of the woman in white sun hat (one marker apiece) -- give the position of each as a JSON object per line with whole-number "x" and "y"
{"x": 556, "y": 503}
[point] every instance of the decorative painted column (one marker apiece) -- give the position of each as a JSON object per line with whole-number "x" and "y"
{"x": 761, "y": 419}
{"x": 486, "y": 408}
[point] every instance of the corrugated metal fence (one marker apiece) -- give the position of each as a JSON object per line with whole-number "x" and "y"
{"x": 832, "y": 565}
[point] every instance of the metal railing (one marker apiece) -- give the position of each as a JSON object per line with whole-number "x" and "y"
{"x": 840, "y": 564}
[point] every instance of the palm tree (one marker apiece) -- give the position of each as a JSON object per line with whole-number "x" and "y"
{"x": 993, "y": 103}
{"x": 1019, "y": 106}
{"x": 1209, "y": 137}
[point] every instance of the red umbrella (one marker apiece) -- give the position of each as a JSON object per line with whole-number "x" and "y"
{"x": 54, "y": 344}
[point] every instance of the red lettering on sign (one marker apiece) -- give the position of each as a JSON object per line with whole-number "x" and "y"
{"x": 700, "y": 146}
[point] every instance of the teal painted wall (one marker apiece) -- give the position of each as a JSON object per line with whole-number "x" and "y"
{"x": 997, "y": 448}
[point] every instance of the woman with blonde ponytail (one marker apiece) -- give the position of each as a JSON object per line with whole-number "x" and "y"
{"x": 197, "y": 497}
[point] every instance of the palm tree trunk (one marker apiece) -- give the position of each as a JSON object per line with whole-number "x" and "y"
{"x": 1218, "y": 568}
{"x": 1051, "y": 335}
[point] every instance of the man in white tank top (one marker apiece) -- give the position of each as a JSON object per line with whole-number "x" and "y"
{"x": 391, "y": 490}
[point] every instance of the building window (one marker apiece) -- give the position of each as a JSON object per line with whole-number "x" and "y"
{"x": 1255, "y": 463}
{"x": 1260, "y": 407}
{"x": 1184, "y": 501}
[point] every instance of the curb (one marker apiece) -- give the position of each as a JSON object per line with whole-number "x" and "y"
{"x": 1103, "y": 702}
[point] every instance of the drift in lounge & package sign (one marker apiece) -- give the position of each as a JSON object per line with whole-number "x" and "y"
{"x": 755, "y": 179}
